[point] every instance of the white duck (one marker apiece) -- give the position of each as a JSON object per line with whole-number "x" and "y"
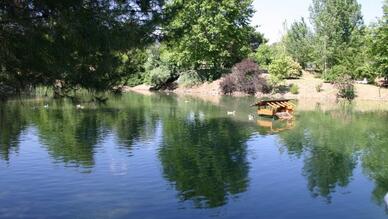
{"x": 232, "y": 113}
{"x": 78, "y": 106}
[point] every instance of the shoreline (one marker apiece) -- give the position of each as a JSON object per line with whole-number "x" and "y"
{"x": 307, "y": 90}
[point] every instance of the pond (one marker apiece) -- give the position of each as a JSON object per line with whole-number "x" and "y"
{"x": 164, "y": 156}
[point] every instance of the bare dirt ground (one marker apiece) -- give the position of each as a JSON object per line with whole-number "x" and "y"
{"x": 307, "y": 90}
{"x": 207, "y": 88}
{"x": 141, "y": 89}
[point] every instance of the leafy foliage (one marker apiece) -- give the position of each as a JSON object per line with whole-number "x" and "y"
{"x": 100, "y": 45}
{"x": 335, "y": 73}
{"x": 228, "y": 85}
{"x": 245, "y": 77}
{"x": 159, "y": 76}
{"x": 298, "y": 42}
{"x": 264, "y": 55}
{"x": 208, "y": 34}
{"x": 189, "y": 78}
{"x": 275, "y": 81}
{"x": 294, "y": 89}
{"x": 159, "y": 69}
{"x": 134, "y": 67}
{"x": 345, "y": 88}
{"x": 256, "y": 39}
{"x": 339, "y": 43}
{"x": 285, "y": 67}
{"x": 336, "y": 23}
{"x": 380, "y": 45}
{"x": 79, "y": 43}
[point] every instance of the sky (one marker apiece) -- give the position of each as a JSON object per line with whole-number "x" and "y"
{"x": 271, "y": 14}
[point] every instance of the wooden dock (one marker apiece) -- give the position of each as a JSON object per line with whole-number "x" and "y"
{"x": 283, "y": 108}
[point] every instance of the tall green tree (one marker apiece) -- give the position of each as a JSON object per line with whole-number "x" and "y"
{"x": 380, "y": 44}
{"x": 264, "y": 55}
{"x": 73, "y": 43}
{"x": 209, "y": 34}
{"x": 335, "y": 23}
{"x": 298, "y": 42}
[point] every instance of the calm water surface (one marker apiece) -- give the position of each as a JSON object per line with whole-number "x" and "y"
{"x": 162, "y": 156}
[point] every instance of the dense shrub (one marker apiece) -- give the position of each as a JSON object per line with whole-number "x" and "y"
{"x": 135, "y": 79}
{"x": 134, "y": 67}
{"x": 295, "y": 70}
{"x": 335, "y": 73}
{"x": 189, "y": 78}
{"x": 285, "y": 67}
{"x": 228, "y": 85}
{"x": 159, "y": 76}
{"x": 246, "y": 66}
{"x": 245, "y": 77}
{"x": 275, "y": 81}
{"x": 345, "y": 88}
{"x": 159, "y": 69}
{"x": 294, "y": 89}
{"x": 365, "y": 71}
{"x": 263, "y": 55}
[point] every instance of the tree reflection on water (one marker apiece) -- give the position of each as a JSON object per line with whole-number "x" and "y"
{"x": 203, "y": 151}
{"x": 205, "y": 160}
{"x": 333, "y": 142}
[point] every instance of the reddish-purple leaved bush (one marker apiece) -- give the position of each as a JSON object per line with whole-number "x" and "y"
{"x": 245, "y": 77}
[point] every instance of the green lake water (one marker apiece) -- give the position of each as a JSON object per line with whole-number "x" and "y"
{"x": 162, "y": 156}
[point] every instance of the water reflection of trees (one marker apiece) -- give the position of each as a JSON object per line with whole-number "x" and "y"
{"x": 325, "y": 169}
{"x": 327, "y": 145}
{"x": 71, "y": 135}
{"x": 375, "y": 155}
{"x": 332, "y": 142}
{"x": 133, "y": 125}
{"x": 203, "y": 153}
{"x": 205, "y": 159}
{"x": 12, "y": 124}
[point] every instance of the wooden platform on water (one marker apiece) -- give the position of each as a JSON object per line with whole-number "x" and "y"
{"x": 275, "y": 108}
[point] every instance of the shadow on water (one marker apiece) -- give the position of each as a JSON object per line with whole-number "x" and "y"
{"x": 203, "y": 151}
